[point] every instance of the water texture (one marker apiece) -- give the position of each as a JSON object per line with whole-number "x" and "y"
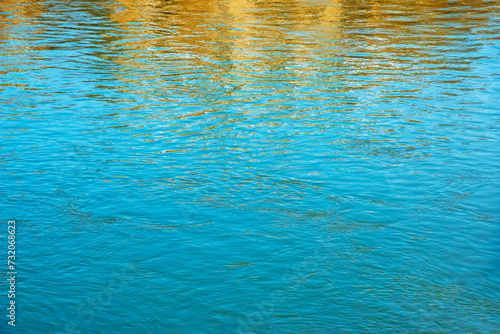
{"x": 231, "y": 166}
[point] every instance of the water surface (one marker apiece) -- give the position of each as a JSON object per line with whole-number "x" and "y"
{"x": 255, "y": 166}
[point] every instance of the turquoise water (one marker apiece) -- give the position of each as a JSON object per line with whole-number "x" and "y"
{"x": 251, "y": 167}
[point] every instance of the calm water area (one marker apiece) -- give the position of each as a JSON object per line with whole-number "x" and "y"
{"x": 250, "y": 166}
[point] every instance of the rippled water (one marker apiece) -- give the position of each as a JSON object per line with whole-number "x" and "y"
{"x": 249, "y": 166}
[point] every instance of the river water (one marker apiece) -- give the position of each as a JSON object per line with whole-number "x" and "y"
{"x": 230, "y": 166}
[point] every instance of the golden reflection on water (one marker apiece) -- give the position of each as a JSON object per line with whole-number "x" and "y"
{"x": 224, "y": 29}
{"x": 256, "y": 44}
{"x": 225, "y": 52}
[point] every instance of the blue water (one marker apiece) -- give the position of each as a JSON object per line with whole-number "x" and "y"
{"x": 230, "y": 166}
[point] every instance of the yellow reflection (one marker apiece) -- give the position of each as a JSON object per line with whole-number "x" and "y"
{"x": 242, "y": 50}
